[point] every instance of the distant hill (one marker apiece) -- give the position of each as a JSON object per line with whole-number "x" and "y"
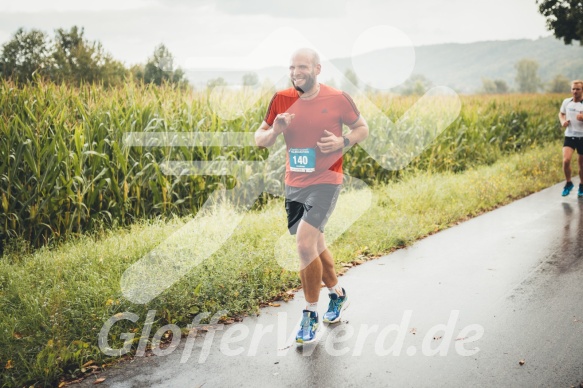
{"x": 460, "y": 66}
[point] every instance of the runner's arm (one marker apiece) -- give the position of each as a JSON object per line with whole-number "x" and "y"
{"x": 358, "y": 131}
{"x": 563, "y": 119}
{"x": 332, "y": 143}
{"x": 266, "y": 135}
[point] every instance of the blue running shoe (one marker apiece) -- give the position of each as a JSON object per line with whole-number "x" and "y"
{"x": 308, "y": 328}
{"x": 567, "y": 189}
{"x": 336, "y": 306}
{"x": 580, "y": 192}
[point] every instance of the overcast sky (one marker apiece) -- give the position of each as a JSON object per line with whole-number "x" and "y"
{"x": 258, "y": 33}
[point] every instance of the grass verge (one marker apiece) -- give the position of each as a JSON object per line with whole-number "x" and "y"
{"x": 55, "y": 301}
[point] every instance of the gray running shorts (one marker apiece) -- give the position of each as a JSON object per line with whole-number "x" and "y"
{"x": 313, "y": 204}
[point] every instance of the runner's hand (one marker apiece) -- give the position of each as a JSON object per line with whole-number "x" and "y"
{"x": 281, "y": 122}
{"x": 580, "y": 116}
{"x": 330, "y": 142}
{"x": 566, "y": 123}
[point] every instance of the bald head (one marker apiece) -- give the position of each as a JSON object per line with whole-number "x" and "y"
{"x": 304, "y": 69}
{"x": 309, "y": 53}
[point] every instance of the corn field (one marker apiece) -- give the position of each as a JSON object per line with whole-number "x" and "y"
{"x": 65, "y": 170}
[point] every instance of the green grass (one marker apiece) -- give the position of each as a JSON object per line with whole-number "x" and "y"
{"x": 55, "y": 300}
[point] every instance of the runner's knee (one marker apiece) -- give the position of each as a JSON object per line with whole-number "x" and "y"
{"x": 307, "y": 251}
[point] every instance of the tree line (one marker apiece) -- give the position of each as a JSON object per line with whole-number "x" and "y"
{"x": 71, "y": 58}
{"x": 527, "y": 81}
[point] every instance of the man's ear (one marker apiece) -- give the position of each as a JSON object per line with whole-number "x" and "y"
{"x": 318, "y": 68}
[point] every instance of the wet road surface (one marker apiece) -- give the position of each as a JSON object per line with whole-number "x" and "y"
{"x": 495, "y": 301}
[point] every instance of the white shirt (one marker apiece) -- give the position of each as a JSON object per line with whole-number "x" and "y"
{"x": 571, "y": 109}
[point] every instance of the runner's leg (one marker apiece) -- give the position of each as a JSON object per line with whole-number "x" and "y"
{"x": 328, "y": 271}
{"x": 580, "y": 163}
{"x": 310, "y": 263}
{"x": 567, "y": 155}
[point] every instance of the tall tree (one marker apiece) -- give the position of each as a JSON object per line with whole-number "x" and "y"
{"x": 415, "y": 85}
{"x": 250, "y": 79}
{"x": 527, "y": 78}
{"x": 501, "y": 86}
{"x": 497, "y": 86}
{"x": 350, "y": 82}
{"x": 559, "y": 84}
{"x": 25, "y": 54}
{"x": 564, "y": 18}
{"x": 160, "y": 68}
{"x": 77, "y": 60}
{"x": 214, "y": 82}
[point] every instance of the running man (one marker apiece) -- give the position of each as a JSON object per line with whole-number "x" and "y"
{"x": 310, "y": 115}
{"x": 571, "y": 117}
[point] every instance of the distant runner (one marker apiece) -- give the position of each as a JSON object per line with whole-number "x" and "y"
{"x": 310, "y": 115}
{"x": 571, "y": 117}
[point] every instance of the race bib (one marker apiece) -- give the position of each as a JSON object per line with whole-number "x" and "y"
{"x": 302, "y": 159}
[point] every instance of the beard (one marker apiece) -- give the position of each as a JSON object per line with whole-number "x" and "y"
{"x": 308, "y": 84}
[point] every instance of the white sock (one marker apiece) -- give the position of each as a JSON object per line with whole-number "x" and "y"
{"x": 336, "y": 290}
{"x": 312, "y": 306}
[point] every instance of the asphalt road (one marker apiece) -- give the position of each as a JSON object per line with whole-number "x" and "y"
{"x": 496, "y": 301}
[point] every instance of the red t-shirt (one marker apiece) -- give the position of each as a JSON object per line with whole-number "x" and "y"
{"x": 328, "y": 111}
